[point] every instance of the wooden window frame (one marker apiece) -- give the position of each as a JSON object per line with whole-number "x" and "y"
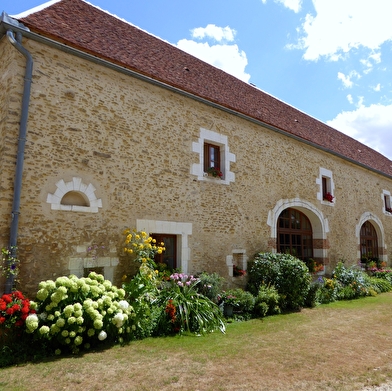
{"x": 208, "y": 161}
{"x": 292, "y": 231}
{"x": 368, "y": 241}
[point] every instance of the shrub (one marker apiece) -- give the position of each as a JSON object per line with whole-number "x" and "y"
{"x": 354, "y": 282}
{"x": 289, "y": 275}
{"x": 209, "y": 285}
{"x": 326, "y": 290}
{"x": 242, "y": 301}
{"x": 267, "y": 301}
{"x": 380, "y": 285}
{"x": 384, "y": 274}
{"x": 77, "y": 313}
{"x": 183, "y": 309}
{"x": 311, "y": 297}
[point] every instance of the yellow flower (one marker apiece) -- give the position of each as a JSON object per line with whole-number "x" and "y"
{"x": 137, "y": 237}
{"x": 143, "y": 234}
{"x": 126, "y": 231}
{"x": 124, "y": 277}
{"x": 154, "y": 241}
{"x": 159, "y": 251}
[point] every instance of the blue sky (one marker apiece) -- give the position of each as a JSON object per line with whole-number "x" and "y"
{"x": 332, "y": 59}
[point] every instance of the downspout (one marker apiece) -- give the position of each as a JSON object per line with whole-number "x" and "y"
{"x": 17, "y": 43}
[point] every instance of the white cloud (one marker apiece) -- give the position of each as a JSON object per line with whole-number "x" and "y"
{"x": 370, "y": 125}
{"x": 346, "y": 80}
{"x": 294, "y": 5}
{"x": 350, "y": 98}
{"x": 377, "y": 88}
{"x": 217, "y": 33}
{"x": 227, "y": 57}
{"x": 340, "y": 26}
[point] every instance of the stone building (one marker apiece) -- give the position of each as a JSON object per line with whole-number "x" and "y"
{"x": 104, "y": 127}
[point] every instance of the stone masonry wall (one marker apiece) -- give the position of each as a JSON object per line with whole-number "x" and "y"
{"x": 132, "y": 141}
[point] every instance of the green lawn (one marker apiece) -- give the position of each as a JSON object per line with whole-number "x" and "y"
{"x": 339, "y": 346}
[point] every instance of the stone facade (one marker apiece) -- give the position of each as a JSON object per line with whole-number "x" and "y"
{"x": 132, "y": 152}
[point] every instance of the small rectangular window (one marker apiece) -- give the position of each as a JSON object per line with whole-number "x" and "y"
{"x": 387, "y": 203}
{"x": 326, "y": 188}
{"x": 211, "y": 156}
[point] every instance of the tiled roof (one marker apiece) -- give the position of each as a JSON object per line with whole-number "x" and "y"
{"x": 87, "y": 28}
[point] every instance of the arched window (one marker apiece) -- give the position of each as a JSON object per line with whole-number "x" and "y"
{"x": 295, "y": 234}
{"x": 369, "y": 242}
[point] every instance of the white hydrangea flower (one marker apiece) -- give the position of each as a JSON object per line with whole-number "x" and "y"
{"x": 32, "y": 322}
{"x": 102, "y": 335}
{"x": 123, "y": 304}
{"x": 44, "y": 330}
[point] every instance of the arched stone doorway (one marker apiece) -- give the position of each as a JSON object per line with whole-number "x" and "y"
{"x": 370, "y": 236}
{"x": 315, "y": 220}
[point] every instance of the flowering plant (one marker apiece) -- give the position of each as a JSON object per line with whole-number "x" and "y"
{"x": 10, "y": 264}
{"x": 227, "y": 298}
{"x": 389, "y": 210}
{"x": 186, "y": 310}
{"x": 329, "y": 197}
{"x": 238, "y": 272}
{"x": 75, "y": 313}
{"x": 14, "y": 310}
{"x": 215, "y": 172}
{"x": 142, "y": 246}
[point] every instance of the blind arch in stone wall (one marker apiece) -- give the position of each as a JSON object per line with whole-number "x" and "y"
{"x": 74, "y": 196}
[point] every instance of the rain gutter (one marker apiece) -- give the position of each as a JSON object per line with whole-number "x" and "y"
{"x": 15, "y": 37}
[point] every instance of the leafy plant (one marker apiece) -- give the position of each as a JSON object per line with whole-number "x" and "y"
{"x": 354, "y": 282}
{"x": 14, "y": 310}
{"x": 209, "y": 285}
{"x": 289, "y": 275}
{"x": 327, "y": 290}
{"x": 10, "y": 263}
{"x": 242, "y": 301}
{"x": 267, "y": 301}
{"x": 186, "y": 310}
{"x": 77, "y": 313}
{"x": 215, "y": 172}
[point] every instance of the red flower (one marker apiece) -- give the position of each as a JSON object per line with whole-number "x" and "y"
{"x": 2, "y": 319}
{"x": 18, "y": 295}
{"x": 7, "y": 298}
{"x": 25, "y": 309}
{"x": 3, "y": 305}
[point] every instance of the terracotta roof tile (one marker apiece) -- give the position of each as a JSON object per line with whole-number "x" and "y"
{"x": 85, "y": 27}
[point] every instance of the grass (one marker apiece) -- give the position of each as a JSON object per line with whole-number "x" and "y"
{"x": 342, "y": 346}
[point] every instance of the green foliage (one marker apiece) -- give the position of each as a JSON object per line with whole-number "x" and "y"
{"x": 289, "y": 275}
{"x": 327, "y": 290}
{"x": 142, "y": 291}
{"x": 242, "y": 301}
{"x": 210, "y": 285}
{"x": 380, "y": 285}
{"x": 183, "y": 309}
{"x": 78, "y": 313}
{"x": 349, "y": 283}
{"x": 311, "y": 298}
{"x": 384, "y": 274}
{"x": 353, "y": 282}
{"x": 267, "y": 301}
